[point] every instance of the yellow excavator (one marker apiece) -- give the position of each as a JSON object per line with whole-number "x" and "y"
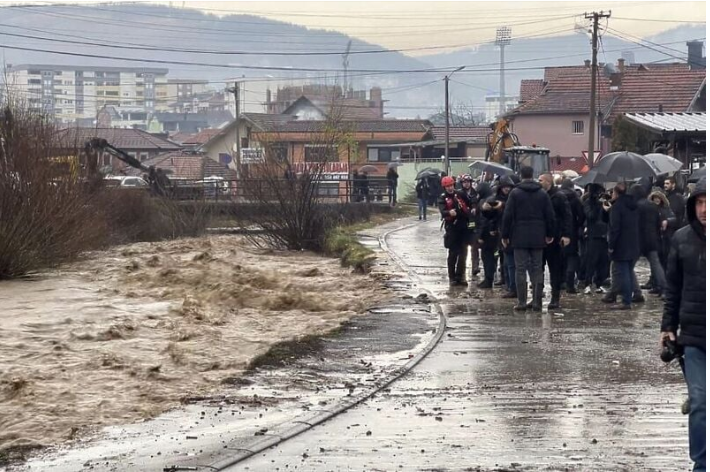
{"x": 505, "y": 148}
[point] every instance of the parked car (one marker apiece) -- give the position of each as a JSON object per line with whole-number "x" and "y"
{"x": 125, "y": 181}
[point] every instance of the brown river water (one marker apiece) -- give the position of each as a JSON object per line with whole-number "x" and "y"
{"x": 129, "y": 333}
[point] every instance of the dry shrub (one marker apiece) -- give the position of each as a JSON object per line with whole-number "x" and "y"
{"x": 46, "y": 212}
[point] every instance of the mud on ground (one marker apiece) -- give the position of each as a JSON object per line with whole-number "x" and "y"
{"x": 129, "y": 333}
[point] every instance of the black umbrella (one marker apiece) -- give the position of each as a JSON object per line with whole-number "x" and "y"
{"x": 697, "y": 175}
{"x": 665, "y": 164}
{"x": 428, "y": 172}
{"x": 491, "y": 167}
{"x": 624, "y": 165}
{"x": 591, "y": 177}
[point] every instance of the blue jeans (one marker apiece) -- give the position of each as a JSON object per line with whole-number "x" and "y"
{"x": 422, "y": 207}
{"x": 695, "y": 377}
{"x": 626, "y": 273}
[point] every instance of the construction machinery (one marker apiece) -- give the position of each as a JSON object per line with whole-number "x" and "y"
{"x": 505, "y": 148}
{"x": 157, "y": 179}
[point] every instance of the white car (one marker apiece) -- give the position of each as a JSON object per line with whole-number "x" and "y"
{"x": 125, "y": 181}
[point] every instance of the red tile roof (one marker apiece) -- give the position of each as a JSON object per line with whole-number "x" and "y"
{"x": 461, "y": 132}
{"x": 530, "y": 89}
{"x": 187, "y": 166}
{"x": 124, "y": 139}
{"x": 200, "y": 138}
{"x": 643, "y": 88}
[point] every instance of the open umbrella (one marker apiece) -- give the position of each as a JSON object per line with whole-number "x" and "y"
{"x": 624, "y": 165}
{"x": 570, "y": 174}
{"x": 591, "y": 177}
{"x": 394, "y": 164}
{"x": 491, "y": 167}
{"x": 666, "y": 164}
{"x": 367, "y": 168}
{"x": 428, "y": 172}
{"x": 697, "y": 175}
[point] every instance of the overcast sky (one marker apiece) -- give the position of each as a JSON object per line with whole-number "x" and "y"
{"x": 407, "y": 24}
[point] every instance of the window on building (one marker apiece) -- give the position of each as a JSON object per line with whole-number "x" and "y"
{"x": 321, "y": 153}
{"x": 111, "y": 94}
{"x": 382, "y": 154}
{"x": 327, "y": 189}
{"x": 34, "y": 72}
{"x": 34, "y": 81}
{"x": 578, "y": 127}
{"x": 106, "y": 159}
{"x": 278, "y": 151}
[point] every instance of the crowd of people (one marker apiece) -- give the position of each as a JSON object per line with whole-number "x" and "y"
{"x": 590, "y": 242}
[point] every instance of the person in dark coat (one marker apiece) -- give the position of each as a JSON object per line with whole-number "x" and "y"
{"x": 650, "y": 237}
{"x": 422, "y": 190}
{"x": 470, "y": 196}
{"x": 572, "y": 250}
{"x": 596, "y": 260}
{"x": 685, "y": 308}
{"x": 454, "y": 212}
{"x": 677, "y": 202}
{"x": 392, "y": 178}
{"x": 488, "y": 236}
{"x": 668, "y": 221}
{"x": 553, "y": 255}
{"x": 624, "y": 240}
{"x": 528, "y": 226}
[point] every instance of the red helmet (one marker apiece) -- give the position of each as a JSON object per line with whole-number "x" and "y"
{"x": 447, "y": 181}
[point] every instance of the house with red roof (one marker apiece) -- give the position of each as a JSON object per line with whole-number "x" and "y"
{"x": 554, "y": 111}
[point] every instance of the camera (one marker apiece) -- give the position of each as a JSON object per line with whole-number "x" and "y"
{"x": 670, "y": 351}
{"x": 604, "y": 197}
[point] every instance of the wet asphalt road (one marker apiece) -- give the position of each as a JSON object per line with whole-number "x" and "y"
{"x": 580, "y": 388}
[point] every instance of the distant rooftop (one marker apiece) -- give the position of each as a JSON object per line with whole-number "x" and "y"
{"x": 148, "y": 70}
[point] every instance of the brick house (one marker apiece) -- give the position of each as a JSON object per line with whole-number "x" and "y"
{"x": 554, "y": 112}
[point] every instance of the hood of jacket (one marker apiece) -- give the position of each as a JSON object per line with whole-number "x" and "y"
{"x": 529, "y": 186}
{"x": 690, "y": 204}
{"x": 661, "y": 196}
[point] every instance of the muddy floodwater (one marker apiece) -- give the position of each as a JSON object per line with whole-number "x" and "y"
{"x": 130, "y": 333}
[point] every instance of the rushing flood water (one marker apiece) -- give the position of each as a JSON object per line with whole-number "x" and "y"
{"x": 127, "y": 334}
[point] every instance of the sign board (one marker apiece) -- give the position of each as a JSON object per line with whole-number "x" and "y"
{"x": 252, "y": 156}
{"x": 597, "y": 155}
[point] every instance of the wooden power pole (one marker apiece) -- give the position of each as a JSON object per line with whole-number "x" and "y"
{"x": 593, "y": 93}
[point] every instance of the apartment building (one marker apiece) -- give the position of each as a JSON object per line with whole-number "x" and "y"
{"x": 72, "y": 93}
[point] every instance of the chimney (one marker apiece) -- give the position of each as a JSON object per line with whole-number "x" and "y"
{"x": 587, "y": 63}
{"x": 660, "y": 108}
{"x": 695, "y": 55}
{"x": 621, "y": 65}
{"x": 376, "y": 100}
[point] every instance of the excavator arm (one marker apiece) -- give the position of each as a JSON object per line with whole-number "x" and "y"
{"x": 500, "y": 139}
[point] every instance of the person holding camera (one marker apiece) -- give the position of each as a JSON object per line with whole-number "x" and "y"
{"x": 684, "y": 308}
{"x": 455, "y": 213}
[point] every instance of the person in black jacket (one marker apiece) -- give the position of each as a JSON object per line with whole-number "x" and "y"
{"x": 454, "y": 212}
{"x": 650, "y": 237}
{"x": 553, "y": 254}
{"x": 392, "y": 178}
{"x": 488, "y": 236}
{"x": 596, "y": 260}
{"x": 528, "y": 226}
{"x": 572, "y": 250}
{"x": 422, "y": 190}
{"x": 470, "y": 196}
{"x": 624, "y": 240}
{"x": 685, "y": 308}
{"x": 675, "y": 198}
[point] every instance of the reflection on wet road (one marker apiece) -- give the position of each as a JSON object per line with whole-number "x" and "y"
{"x": 580, "y": 388}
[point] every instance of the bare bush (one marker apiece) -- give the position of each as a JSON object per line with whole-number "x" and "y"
{"x": 293, "y": 215}
{"x": 46, "y": 215}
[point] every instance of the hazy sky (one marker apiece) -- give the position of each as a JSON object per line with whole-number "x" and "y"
{"x": 437, "y": 24}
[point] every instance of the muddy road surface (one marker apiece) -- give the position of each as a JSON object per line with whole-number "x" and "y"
{"x": 577, "y": 389}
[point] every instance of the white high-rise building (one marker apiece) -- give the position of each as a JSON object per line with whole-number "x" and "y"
{"x": 72, "y": 93}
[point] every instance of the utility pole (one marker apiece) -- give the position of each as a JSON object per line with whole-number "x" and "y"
{"x": 238, "y": 159}
{"x": 593, "y": 93}
{"x": 446, "y": 112}
{"x": 502, "y": 40}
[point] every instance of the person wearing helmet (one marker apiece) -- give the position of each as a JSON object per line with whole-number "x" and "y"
{"x": 471, "y": 197}
{"x": 455, "y": 213}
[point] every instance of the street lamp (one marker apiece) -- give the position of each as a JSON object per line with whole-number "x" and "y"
{"x": 502, "y": 40}
{"x": 446, "y": 112}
